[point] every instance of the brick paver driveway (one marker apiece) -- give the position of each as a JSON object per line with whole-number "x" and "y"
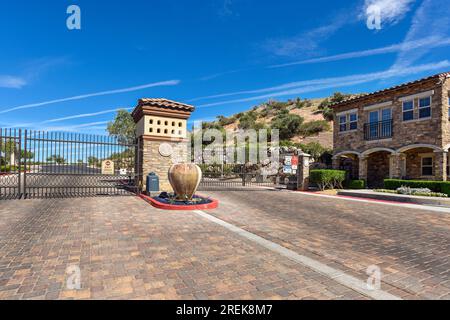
{"x": 126, "y": 249}
{"x": 411, "y": 246}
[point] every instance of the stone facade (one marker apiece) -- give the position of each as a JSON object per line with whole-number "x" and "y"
{"x": 153, "y": 161}
{"x": 162, "y": 132}
{"x": 404, "y": 133}
{"x": 303, "y": 171}
{"x": 377, "y": 168}
{"x": 406, "y": 141}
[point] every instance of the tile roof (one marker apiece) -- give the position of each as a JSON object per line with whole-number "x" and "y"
{"x": 366, "y": 95}
{"x": 165, "y": 103}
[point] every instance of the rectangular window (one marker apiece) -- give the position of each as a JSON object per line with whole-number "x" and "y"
{"x": 448, "y": 108}
{"x": 342, "y": 123}
{"x": 408, "y": 110}
{"x": 425, "y": 107}
{"x": 386, "y": 114}
{"x": 427, "y": 166}
{"x": 353, "y": 121}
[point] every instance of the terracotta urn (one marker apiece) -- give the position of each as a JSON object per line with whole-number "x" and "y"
{"x": 184, "y": 179}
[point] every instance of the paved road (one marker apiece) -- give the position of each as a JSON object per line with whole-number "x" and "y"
{"x": 127, "y": 249}
{"x": 411, "y": 246}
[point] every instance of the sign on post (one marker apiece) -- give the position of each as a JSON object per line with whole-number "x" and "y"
{"x": 108, "y": 167}
{"x": 294, "y": 163}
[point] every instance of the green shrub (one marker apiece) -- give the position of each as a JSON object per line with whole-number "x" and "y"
{"x": 287, "y": 124}
{"x": 327, "y": 179}
{"x": 357, "y": 184}
{"x": 435, "y": 186}
{"x": 314, "y": 127}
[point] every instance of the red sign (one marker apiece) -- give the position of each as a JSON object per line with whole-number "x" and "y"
{"x": 294, "y": 161}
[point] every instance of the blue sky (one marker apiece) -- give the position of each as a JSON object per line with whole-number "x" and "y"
{"x": 223, "y": 56}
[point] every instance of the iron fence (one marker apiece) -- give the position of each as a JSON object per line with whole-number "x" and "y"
{"x": 41, "y": 164}
{"x": 10, "y": 164}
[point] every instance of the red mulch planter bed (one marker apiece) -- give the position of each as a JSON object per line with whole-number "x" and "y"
{"x": 164, "y": 206}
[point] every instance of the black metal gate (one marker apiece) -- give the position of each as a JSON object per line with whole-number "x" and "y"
{"x": 10, "y": 168}
{"x": 227, "y": 176}
{"x": 56, "y": 164}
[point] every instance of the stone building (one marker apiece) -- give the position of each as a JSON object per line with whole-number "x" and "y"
{"x": 399, "y": 132}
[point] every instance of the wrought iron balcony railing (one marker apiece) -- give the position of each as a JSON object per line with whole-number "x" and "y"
{"x": 378, "y": 130}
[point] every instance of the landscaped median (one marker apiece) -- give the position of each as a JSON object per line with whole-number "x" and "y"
{"x": 407, "y": 191}
{"x": 434, "y": 186}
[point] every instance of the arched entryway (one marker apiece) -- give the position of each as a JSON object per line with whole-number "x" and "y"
{"x": 423, "y": 162}
{"x": 378, "y": 163}
{"x": 349, "y": 162}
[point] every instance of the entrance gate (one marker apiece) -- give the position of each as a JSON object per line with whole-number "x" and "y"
{"x": 10, "y": 179}
{"x": 237, "y": 176}
{"x": 39, "y": 164}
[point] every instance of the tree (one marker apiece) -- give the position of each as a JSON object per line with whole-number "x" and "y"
{"x": 56, "y": 159}
{"x": 9, "y": 148}
{"x": 247, "y": 121}
{"x": 28, "y": 155}
{"x": 287, "y": 124}
{"x": 123, "y": 127}
{"x": 315, "y": 149}
{"x": 324, "y": 106}
{"x": 93, "y": 161}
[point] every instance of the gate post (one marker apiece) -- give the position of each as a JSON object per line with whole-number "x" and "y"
{"x": 303, "y": 171}
{"x": 162, "y": 137}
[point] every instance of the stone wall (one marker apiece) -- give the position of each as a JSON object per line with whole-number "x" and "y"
{"x": 414, "y": 163}
{"x": 427, "y": 131}
{"x": 153, "y": 161}
{"x": 377, "y": 169}
{"x": 445, "y": 118}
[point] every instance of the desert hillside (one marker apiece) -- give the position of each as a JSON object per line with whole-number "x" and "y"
{"x": 300, "y": 121}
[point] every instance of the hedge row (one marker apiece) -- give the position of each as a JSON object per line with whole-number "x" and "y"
{"x": 356, "y": 184}
{"x": 435, "y": 186}
{"x": 327, "y": 179}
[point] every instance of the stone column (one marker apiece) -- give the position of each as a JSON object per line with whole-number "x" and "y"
{"x": 162, "y": 134}
{"x": 158, "y": 156}
{"x": 396, "y": 166}
{"x": 336, "y": 162}
{"x": 363, "y": 168}
{"x": 303, "y": 171}
{"x": 440, "y": 165}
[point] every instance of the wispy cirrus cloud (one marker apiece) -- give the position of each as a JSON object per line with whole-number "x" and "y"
{"x": 84, "y": 115}
{"x": 428, "y": 43}
{"x": 392, "y": 11}
{"x": 83, "y": 127}
{"x": 432, "y": 19}
{"x": 90, "y": 95}
{"x": 305, "y": 43}
{"x": 12, "y": 82}
{"x": 295, "y": 88}
{"x": 29, "y": 72}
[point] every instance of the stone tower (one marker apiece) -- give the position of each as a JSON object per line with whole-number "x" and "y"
{"x": 162, "y": 135}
